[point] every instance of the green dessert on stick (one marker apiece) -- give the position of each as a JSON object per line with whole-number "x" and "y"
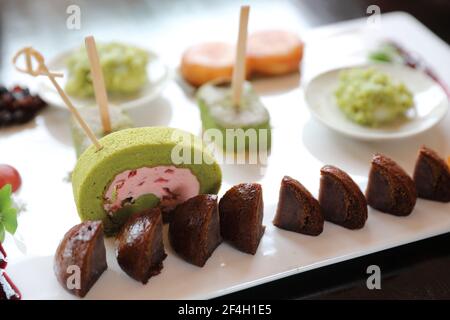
{"x": 236, "y": 110}
{"x": 103, "y": 120}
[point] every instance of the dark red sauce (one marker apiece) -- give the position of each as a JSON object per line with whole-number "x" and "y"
{"x": 8, "y": 290}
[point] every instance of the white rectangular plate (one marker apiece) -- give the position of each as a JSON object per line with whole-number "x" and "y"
{"x": 43, "y": 153}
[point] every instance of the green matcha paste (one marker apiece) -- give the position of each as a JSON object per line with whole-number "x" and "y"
{"x": 371, "y": 98}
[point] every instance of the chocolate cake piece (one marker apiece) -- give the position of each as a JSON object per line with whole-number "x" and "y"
{"x": 390, "y": 189}
{"x": 298, "y": 210}
{"x": 194, "y": 231}
{"x": 82, "y": 247}
{"x": 432, "y": 176}
{"x": 140, "y": 250}
{"x": 340, "y": 199}
{"x": 241, "y": 213}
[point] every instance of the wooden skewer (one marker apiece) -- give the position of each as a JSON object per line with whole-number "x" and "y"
{"x": 28, "y": 61}
{"x": 43, "y": 70}
{"x": 239, "y": 63}
{"x": 99, "y": 84}
{"x": 30, "y": 52}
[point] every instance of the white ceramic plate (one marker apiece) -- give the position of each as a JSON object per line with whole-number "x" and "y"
{"x": 430, "y": 104}
{"x": 157, "y": 71}
{"x": 300, "y": 147}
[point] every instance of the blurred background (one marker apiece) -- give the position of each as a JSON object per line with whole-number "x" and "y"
{"x": 42, "y": 23}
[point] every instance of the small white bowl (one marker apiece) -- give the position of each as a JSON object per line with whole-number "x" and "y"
{"x": 158, "y": 74}
{"x": 430, "y": 104}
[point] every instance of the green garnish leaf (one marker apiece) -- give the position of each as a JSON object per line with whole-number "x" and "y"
{"x": 380, "y": 56}
{"x": 5, "y": 197}
{"x": 2, "y": 233}
{"x": 10, "y": 220}
{"x": 386, "y": 53}
{"x": 8, "y": 213}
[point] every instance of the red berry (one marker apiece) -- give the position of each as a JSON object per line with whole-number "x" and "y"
{"x": 9, "y": 175}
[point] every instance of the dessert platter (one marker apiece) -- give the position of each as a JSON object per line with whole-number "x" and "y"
{"x": 236, "y": 187}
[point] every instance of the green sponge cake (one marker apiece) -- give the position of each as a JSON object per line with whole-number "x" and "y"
{"x": 142, "y": 168}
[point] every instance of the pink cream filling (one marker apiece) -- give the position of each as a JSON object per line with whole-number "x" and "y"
{"x": 170, "y": 184}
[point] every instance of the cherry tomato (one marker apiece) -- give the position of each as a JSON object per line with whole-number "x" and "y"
{"x": 9, "y": 175}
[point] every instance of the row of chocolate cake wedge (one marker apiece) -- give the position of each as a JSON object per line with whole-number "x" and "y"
{"x": 390, "y": 190}
{"x": 201, "y": 223}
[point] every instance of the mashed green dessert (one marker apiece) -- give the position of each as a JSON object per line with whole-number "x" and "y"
{"x": 124, "y": 70}
{"x": 370, "y": 98}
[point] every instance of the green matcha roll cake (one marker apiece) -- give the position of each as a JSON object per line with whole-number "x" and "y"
{"x": 141, "y": 168}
